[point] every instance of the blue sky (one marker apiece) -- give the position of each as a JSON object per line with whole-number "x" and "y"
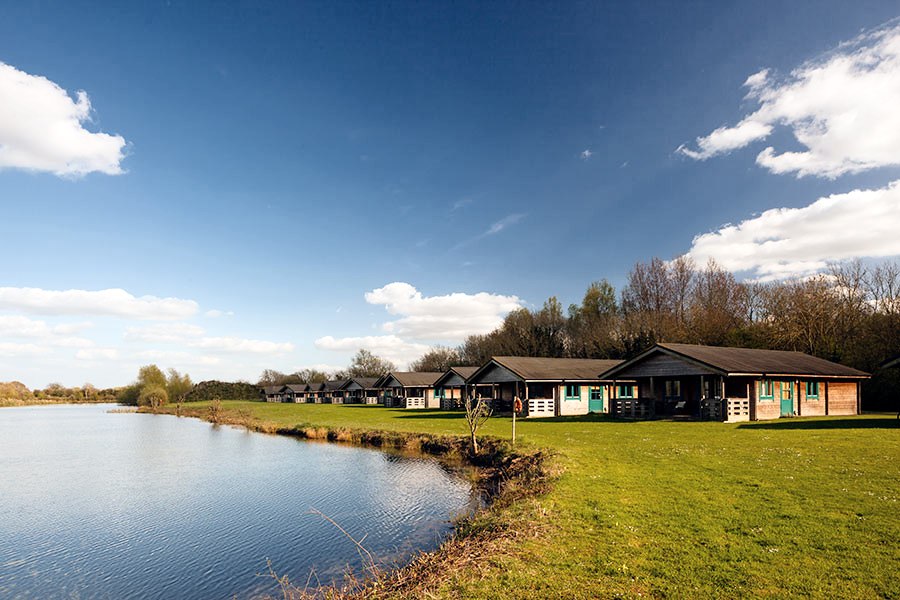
{"x": 277, "y": 163}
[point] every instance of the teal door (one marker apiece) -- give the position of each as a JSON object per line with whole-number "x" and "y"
{"x": 787, "y": 399}
{"x": 595, "y": 401}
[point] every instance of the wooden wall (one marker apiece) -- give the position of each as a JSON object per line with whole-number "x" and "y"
{"x": 841, "y": 397}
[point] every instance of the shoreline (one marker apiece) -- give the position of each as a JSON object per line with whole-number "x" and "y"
{"x": 504, "y": 475}
{"x": 8, "y": 403}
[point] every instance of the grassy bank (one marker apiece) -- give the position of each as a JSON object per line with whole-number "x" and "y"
{"x": 800, "y": 507}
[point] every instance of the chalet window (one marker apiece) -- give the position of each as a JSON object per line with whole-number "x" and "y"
{"x": 439, "y": 392}
{"x": 415, "y": 393}
{"x": 596, "y": 393}
{"x": 573, "y": 392}
{"x": 766, "y": 389}
{"x": 626, "y": 391}
{"x": 673, "y": 388}
{"x": 787, "y": 390}
{"x": 812, "y": 390}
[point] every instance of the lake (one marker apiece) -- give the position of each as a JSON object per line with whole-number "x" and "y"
{"x": 106, "y": 505}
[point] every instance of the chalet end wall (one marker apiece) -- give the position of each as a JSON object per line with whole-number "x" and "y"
{"x": 842, "y": 399}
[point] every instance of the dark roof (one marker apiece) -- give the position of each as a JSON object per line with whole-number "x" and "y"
{"x": 314, "y": 387}
{"x": 272, "y": 389}
{"x": 751, "y": 361}
{"x": 335, "y": 384}
{"x": 363, "y": 382}
{"x": 413, "y": 379}
{"x": 462, "y": 372}
{"x": 541, "y": 369}
{"x": 296, "y": 387}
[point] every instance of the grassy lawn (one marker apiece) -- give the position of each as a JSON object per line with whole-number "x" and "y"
{"x": 798, "y": 507}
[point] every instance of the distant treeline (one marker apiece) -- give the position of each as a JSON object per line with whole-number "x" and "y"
{"x": 210, "y": 390}
{"x": 17, "y": 393}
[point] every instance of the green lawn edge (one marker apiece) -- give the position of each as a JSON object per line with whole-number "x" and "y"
{"x": 792, "y": 508}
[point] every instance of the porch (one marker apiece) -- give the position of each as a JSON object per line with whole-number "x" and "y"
{"x": 698, "y": 397}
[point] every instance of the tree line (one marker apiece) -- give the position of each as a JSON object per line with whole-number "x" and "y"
{"x": 16, "y": 392}
{"x": 849, "y": 314}
{"x": 363, "y": 364}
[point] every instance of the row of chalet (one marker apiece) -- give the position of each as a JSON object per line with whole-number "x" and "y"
{"x": 356, "y": 390}
{"x": 730, "y": 384}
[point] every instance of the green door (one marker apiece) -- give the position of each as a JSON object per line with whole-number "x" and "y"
{"x": 787, "y": 399}
{"x": 595, "y": 401}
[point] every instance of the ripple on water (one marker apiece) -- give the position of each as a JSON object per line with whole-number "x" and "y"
{"x": 114, "y": 505}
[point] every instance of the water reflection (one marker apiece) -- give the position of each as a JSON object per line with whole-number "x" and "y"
{"x": 111, "y": 505}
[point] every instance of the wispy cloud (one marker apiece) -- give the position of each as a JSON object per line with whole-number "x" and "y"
{"x": 842, "y": 108}
{"x": 41, "y": 129}
{"x": 503, "y": 223}
{"x": 586, "y": 154}
{"x": 494, "y": 229}
{"x": 461, "y": 203}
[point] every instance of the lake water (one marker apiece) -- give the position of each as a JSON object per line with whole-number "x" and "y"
{"x": 102, "y": 505}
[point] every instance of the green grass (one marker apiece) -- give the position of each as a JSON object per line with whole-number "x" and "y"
{"x": 797, "y": 507}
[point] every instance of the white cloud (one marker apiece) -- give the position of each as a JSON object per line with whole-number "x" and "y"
{"x": 70, "y": 328}
{"x": 178, "y": 357}
{"x": 164, "y": 332}
{"x": 788, "y": 242}
{"x": 11, "y": 349}
{"x": 391, "y": 347}
{"x": 111, "y": 302}
{"x": 452, "y": 317}
{"x": 586, "y": 154}
{"x": 236, "y": 344}
{"x": 17, "y": 326}
{"x": 215, "y": 313}
{"x": 193, "y": 336}
{"x": 97, "y": 354}
{"x": 843, "y": 109}
{"x": 42, "y": 129}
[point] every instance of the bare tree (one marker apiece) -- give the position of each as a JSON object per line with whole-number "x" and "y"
{"x": 438, "y": 358}
{"x": 478, "y": 411}
{"x": 366, "y": 364}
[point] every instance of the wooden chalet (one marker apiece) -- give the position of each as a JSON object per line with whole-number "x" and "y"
{"x": 360, "y": 390}
{"x": 734, "y": 384}
{"x": 548, "y": 387}
{"x": 294, "y": 392}
{"x": 333, "y": 392}
{"x": 315, "y": 393}
{"x": 273, "y": 393}
{"x": 450, "y": 388}
{"x": 409, "y": 389}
